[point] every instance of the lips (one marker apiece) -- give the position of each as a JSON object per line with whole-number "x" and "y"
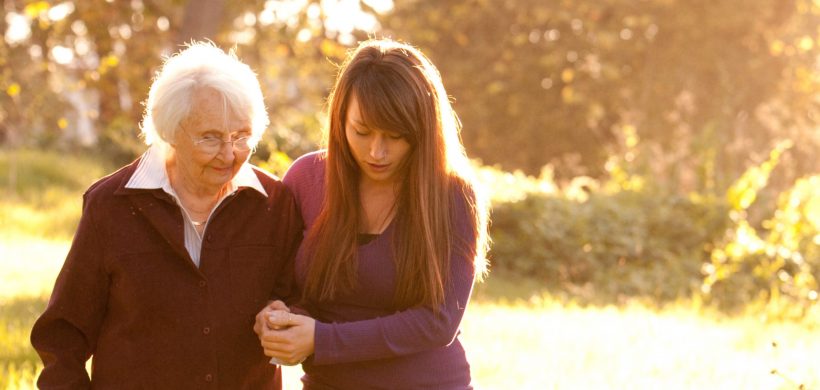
{"x": 378, "y": 167}
{"x": 223, "y": 170}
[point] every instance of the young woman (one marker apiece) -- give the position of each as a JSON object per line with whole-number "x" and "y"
{"x": 395, "y": 234}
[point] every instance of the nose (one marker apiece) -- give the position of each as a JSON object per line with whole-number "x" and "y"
{"x": 378, "y": 148}
{"x": 226, "y": 152}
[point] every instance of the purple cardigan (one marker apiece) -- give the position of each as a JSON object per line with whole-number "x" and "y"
{"x": 362, "y": 340}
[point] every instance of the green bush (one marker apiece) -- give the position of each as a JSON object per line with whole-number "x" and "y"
{"x": 777, "y": 262}
{"x": 624, "y": 244}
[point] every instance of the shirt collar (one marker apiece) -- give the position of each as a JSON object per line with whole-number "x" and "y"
{"x": 151, "y": 174}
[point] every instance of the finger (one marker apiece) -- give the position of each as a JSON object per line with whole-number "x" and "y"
{"x": 276, "y": 336}
{"x": 279, "y": 305}
{"x": 278, "y": 349}
{"x": 279, "y": 319}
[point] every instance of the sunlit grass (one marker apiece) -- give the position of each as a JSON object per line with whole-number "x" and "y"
{"x": 546, "y": 346}
{"x": 29, "y": 266}
{"x": 517, "y": 337}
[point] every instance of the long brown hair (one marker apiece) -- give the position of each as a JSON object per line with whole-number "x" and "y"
{"x": 399, "y": 89}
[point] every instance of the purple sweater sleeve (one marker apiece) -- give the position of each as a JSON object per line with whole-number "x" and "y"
{"x": 410, "y": 331}
{"x": 413, "y": 330}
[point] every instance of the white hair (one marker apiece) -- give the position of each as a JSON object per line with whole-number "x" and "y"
{"x": 201, "y": 65}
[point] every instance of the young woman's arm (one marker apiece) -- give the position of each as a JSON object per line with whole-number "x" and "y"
{"x": 403, "y": 333}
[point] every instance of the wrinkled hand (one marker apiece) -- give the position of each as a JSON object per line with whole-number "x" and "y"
{"x": 261, "y": 324}
{"x": 290, "y": 338}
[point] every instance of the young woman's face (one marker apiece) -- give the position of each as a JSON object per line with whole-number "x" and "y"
{"x": 380, "y": 153}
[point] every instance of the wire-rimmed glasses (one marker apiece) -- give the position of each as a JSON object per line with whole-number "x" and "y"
{"x": 212, "y": 145}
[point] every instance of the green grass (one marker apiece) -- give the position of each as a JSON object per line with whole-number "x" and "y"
{"x": 517, "y": 336}
{"x": 42, "y": 192}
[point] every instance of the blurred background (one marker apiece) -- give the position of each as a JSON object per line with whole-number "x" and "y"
{"x": 652, "y": 164}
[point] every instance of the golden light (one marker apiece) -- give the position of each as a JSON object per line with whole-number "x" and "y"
{"x": 19, "y": 28}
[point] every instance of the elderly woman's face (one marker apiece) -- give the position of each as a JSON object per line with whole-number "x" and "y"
{"x": 199, "y": 163}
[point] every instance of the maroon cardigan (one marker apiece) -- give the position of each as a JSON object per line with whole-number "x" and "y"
{"x": 130, "y": 295}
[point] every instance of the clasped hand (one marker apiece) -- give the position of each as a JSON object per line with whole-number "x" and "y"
{"x": 286, "y": 337}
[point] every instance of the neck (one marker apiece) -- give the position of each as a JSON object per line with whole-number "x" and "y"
{"x": 196, "y": 198}
{"x": 183, "y": 183}
{"x": 377, "y": 205}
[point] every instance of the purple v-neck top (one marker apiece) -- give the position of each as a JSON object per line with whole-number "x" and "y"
{"x": 362, "y": 339}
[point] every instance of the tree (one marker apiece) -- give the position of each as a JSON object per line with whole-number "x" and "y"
{"x": 104, "y": 54}
{"x": 707, "y": 85}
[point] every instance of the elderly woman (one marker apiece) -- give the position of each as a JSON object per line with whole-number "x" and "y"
{"x": 176, "y": 252}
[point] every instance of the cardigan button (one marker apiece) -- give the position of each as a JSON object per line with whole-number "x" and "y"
{"x": 209, "y": 378}
{"x": 206, "y": 330}
{"x": 202, "y": 283}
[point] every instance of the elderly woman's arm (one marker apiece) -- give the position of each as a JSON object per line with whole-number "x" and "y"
{"x": 65, "y": 334}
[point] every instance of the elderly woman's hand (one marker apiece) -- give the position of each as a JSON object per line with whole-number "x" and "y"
{"x": 292, "y": 342}
{"x": 261, "y": 326}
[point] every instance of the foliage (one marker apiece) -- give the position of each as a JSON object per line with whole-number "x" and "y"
{"x": 78, "y": 75}
{"x": 622, "y": 244}
{"x": 705, "y": 86}
{"x": 781, "y": 265}
{"x": 276, "y": 164}
{"x": 625, "y": 237}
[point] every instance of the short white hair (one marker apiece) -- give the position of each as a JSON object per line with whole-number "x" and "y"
{"x": 201, "y": 65}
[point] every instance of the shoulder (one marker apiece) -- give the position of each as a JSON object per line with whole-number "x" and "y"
{"x": 270, "y": 182}
{"x": 110, "y": 184}
{"x": 306, "y": 172}
{"x": 306, "y": 179}
{"x": 309, "y": 164}
{"x": 462, "y": 195}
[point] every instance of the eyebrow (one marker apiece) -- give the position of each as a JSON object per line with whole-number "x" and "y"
{"x": 217, "y": 131}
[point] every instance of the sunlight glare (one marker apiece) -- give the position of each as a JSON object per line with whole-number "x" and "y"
{"x": 380, "y": 6}
{"x": 82, "y": 46}
{"x": 281, "y": 11}
{"x": 62, "y": 55}
{"x": 344, "y": 16}
{"x": 314, "y": 11}
{"x": 79, "y": 28}
{"x": 163, "y": 24}
{"x": 60, "y": 11}
{"x": 19, "y": 29}
{"x": 249, "y": 18}
{"x": 35, "y": 51}
{"x": 303, "y": 35}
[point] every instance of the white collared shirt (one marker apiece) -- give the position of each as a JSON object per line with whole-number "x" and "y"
{"x": 151, "y": 174}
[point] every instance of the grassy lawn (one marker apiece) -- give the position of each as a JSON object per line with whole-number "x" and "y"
{"x": 513, "y": 342}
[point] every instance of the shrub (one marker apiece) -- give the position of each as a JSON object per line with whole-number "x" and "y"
{"x": 777, "y": 262}
{"x": 627, "y": 243}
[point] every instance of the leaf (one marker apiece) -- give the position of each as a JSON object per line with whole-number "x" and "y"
{"x": 13, "y": 89}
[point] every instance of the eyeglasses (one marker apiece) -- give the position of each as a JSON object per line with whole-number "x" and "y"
{"x": 212, "y": 145}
